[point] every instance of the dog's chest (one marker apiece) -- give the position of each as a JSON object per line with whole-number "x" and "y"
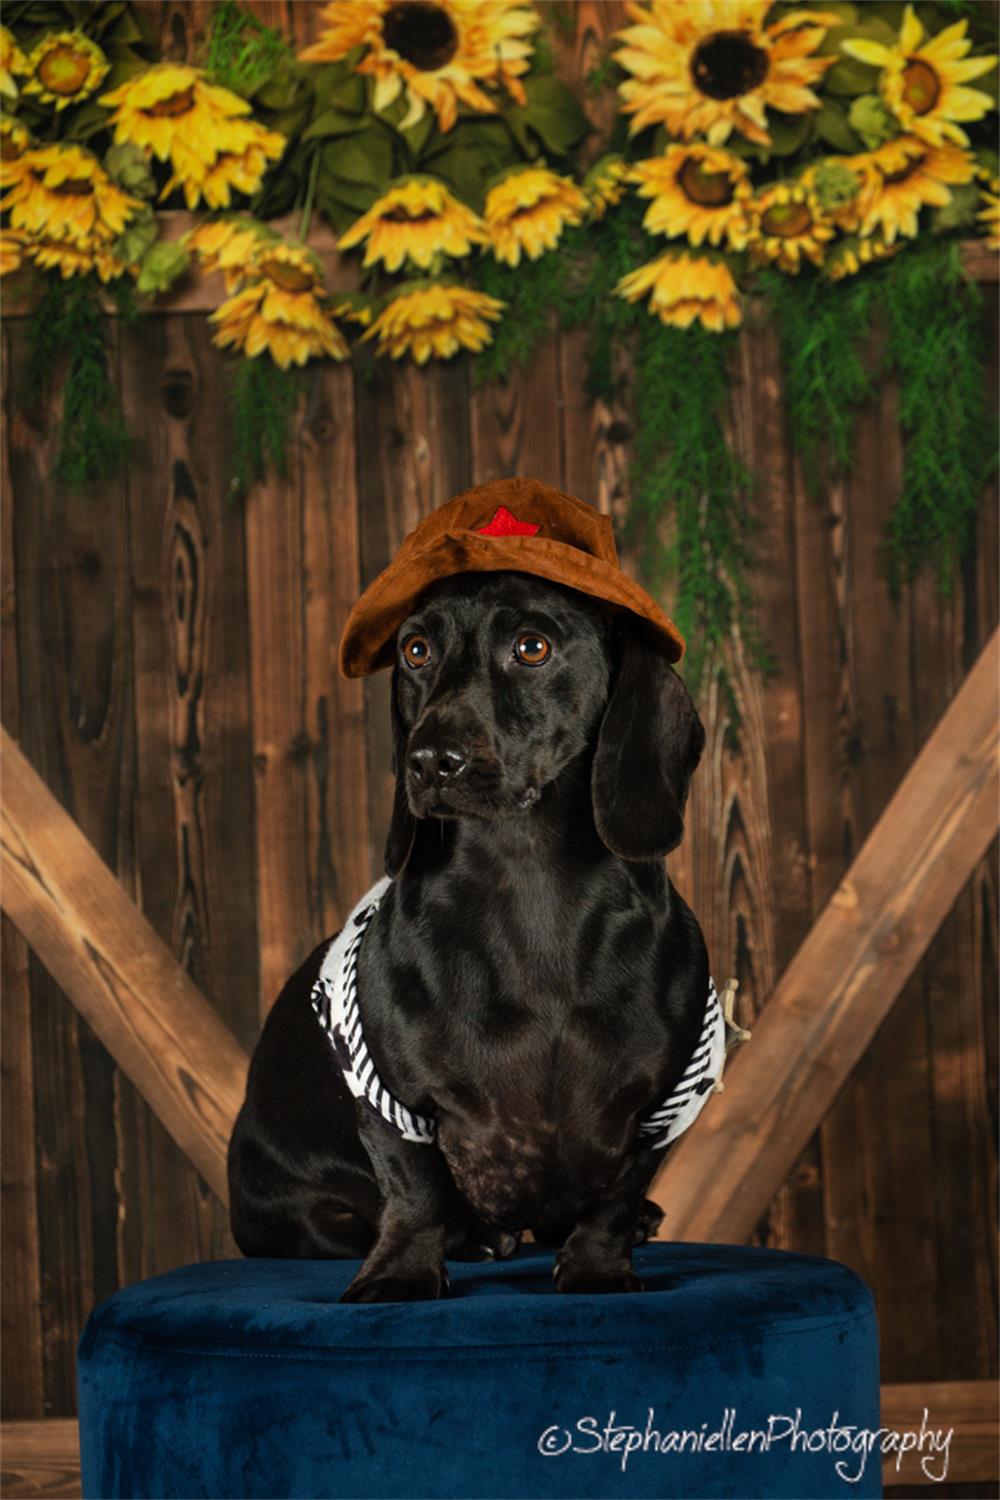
{"x": 541, "y": 1135}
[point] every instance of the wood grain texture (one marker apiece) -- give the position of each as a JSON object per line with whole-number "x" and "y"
{"x": 303, "y": 575}
{"x": 844, "y": 978}
{"x": 413, "y": 453}
{"x": 72, "y": 911}
{"x": 76, "y": 723}
{"x": 40, "y": 1459}
{"x": 21, "y": 1373}
{"x": 756, "y": 830}
{"x": 194, "y": 776}
{"x": 970, "y": 1408}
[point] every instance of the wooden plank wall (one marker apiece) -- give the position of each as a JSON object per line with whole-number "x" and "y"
{"x": 168, "y": 668}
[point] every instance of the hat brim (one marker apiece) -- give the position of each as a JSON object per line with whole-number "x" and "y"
{"x": 369, "y": 640}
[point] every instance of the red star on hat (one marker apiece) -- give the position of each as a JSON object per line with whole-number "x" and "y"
{"x": 504, "y": 523}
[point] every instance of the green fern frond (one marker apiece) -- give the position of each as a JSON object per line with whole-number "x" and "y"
{"x": 938, "y": 347}
{"x": 265, "y": 401}
{"x": 69, "y": 323}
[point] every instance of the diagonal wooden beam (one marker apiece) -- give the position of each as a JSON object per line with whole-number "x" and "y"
{"x": 841, "y": 984}
{"x": 159, "y": 1028}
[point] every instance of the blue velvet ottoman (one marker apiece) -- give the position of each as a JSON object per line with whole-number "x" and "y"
{"x": 736, "y": 1372}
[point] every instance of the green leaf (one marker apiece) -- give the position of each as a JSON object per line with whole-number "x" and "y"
{"x": 332, "y": 122}
{"x": 364, "y": 157}
{"x": 336, "y": 85}
{"x": 121, "y": 70}
{"x": 86, "y": 121}
{"x": 161, "y": 266}
{"x": 554, "y": 113}
{"x": 418, "y": 135}
{"x": 788, "y": 132}
{"x": 960, "y": 213}
{"x": 850, "y": 77}
{"x": 832, "y": 127}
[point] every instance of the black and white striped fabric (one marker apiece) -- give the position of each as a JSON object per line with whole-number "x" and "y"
{"x": 335, "y": 1001}
{"x": 683, "y": 1106}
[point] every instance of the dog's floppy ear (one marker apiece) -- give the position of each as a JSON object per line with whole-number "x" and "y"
{"x": 402, "y": 824}
{"x": 649, "y": 744}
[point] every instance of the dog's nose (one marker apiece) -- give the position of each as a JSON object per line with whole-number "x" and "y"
{"x": 433, "y": 763}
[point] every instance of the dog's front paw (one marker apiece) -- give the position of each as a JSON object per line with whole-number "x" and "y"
{"x": 399, "y": 1286}
{"x": 578, "y": 1276}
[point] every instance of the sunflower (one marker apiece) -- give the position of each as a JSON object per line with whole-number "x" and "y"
{"x": 529, "y": 209}
{"x": 837, "y": 190}
{"x": 63, "y": 193}
{"x": 989, "y": 216}
{"x": 12, "y": 63}
{"x": 280, "y": 309}
{"x": 904, "y": 176}
{"x": 435, "y": 318}
{"x": 684, "y": 287}
{"x": 434, "y": 52}
{"x": 243, "y": 170}
{"x": 70, "y": 260}
{"x": 924, "y": 85}
{"x": 604, "y": 184}
{"x": 849, "y": 255}
{"x": 697, "y": 190}
{"x": 173, "y": 112}
{"x": 229, "y": 246}
{"x": 65, "y": 67}
{"x": 416, "y": 219}
{"x": 11, "y": 251}
{"x": 708, "y": 67}
{"x": 15, "y": 141}
{"x": 789, "y": 226}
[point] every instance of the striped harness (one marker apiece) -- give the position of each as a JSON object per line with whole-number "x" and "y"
{"x": 335, "y": 1000}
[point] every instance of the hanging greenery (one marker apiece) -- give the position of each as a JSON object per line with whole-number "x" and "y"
{"x": 823, "y": 160}
{"x": 938, "y": 346}
{"x": 69, "y": 326}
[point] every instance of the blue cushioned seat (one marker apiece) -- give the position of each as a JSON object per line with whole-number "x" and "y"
{"x": 249, "y": 1378}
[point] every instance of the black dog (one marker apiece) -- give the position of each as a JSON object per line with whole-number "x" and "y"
{"x": 531, "y": 979}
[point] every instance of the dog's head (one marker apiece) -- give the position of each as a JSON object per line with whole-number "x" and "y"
{"x": 502, "y": 680}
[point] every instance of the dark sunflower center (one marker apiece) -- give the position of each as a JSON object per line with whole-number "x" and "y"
{"x": 786, "y": 219}
{"x": 173, "y": 105}
{"x": 74, "y": 187}
{"x": 289, "y": 278}
{"x": 728, "y": 64}
{"x": 890, "y": 179}
{"x": 403, "y": 216}
{"x": 64, "y": 71}
{"x": 709, "y": 189}
{"x": 921, "y": 86}
{"x": 421, "y": 32}
{"x": 9, "y": 148}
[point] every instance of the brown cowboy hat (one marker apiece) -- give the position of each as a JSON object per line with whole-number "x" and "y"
{"x": 521, "y": 525}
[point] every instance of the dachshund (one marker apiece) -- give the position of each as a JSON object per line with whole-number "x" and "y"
{"x": 527, "y": 984}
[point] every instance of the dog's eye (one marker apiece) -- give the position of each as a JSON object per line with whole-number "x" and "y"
{"x": 416, "y": 651}
{"x": 532, "y": 649}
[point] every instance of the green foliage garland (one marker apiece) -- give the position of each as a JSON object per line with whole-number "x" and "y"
{"x": 939, "y": 348}
{"x": 823, "y": 327}
{"x": 831, "y": 190}
{"x": 69, "y": 323}
{"x": 265, "y": 400}
{"x": 936, "y": 343}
